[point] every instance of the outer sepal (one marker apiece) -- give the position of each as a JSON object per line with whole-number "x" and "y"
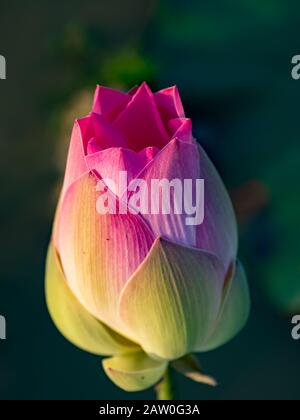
{"x": 190, "y": 367}
{"x": 135, "y": 371}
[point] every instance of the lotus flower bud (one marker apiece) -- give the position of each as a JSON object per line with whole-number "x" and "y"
{"x": 140, "y": 284}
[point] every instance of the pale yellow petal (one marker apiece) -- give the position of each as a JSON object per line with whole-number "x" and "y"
{"x": 171, "y": 302}
{"x": 73, "y": 321}
{"x": 234, "y": 311}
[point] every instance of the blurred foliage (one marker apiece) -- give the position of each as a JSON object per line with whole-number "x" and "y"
{"x": 214, "y": 52}
{"x": 126, "y": 67}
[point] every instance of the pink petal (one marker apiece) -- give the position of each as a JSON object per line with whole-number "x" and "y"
{"x": 100, "y": 133}
{"x": 218, "y": 233}
{"x": 99, "y": 252}
{"x": 133, "y": 90}
{"x": 108, "y": 164}
{"x": 92, "y": 146}
{"x": 178, "y": 160}
{"x": 140, "y": 122}
{"x": 109, "y": 102}
{"x": 76, "y": 165}
{"x": 169, "y": 103}
{"x": 181, "y": 128}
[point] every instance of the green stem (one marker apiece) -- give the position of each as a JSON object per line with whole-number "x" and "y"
{"x": 164, "y": 390}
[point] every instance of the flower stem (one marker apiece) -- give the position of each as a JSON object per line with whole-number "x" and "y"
{"x": 164, "y": 390}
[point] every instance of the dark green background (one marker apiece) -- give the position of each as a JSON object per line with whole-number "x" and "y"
{"x": 231, "y": 61}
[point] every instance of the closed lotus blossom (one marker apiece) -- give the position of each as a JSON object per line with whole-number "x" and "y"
{"x": 145, "y": 289}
